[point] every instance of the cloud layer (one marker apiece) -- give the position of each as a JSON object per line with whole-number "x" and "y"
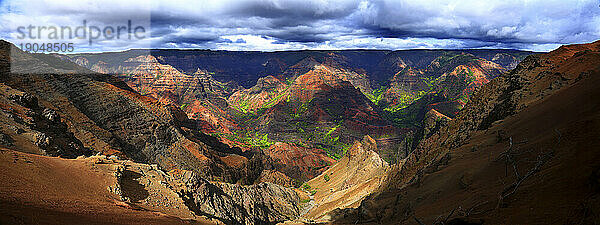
{"x": 319, "y": 24}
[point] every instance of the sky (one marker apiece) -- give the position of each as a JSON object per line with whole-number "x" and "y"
{"x": 274, "y": 25}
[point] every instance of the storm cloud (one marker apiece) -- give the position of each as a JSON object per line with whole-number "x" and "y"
{"x": 269, "y": 25}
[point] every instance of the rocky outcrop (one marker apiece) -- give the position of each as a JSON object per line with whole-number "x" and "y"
{"x": 87, "y": 190}
{"x": 42, "y": 128}
{"x": 185, "y": 194}
{"x": 307, "y": 108}
{"x": 317, "y": 92}
{"x": 507, "y": 61}
{"x": 299, "y": 82}
{"x": 452, "y": 75}
{"x": 347, "y": 182}
{"x": 147, "y": 75}
{"x": 318, "y": 76}
{"x": 263, "y": 203}
{"x": 499, "y": 98}
{"x": 405, "y": 81}
{"x": 276, "y": 177}
{"x": 332, "y": 118}
{"x": 433, "y": 122}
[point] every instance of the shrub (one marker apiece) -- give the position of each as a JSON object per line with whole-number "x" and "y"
{"x": 306, "y": 186}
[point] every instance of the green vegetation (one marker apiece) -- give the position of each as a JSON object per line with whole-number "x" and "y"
{"x": 447, "y": 58}
{"x": 405, "y": 100}
{"x": 297, "y": 183}
{"x": 464, "y": 99}
{"x": 469, "y": 78}
{"x": 302, "y": 109}
{"x": 300, "y": 144}
{"x": 275, "y": 100}
{"x": 289, "y": 81}
{"x": 376, "y": 95}
{"x": 158, "y": 75}
{"x": 306, "y": 187}
{"x": 252, "y": 141}
{"x": 406, "y": 119}
{"x": 430, "y": 81}
{"x": 325, "y": 140}
{"x": 326, "y": 177}
{"x": 326, "y": 137}
{"x": 328, "y": 134}
{"x": 183, "y": 106}
{"x": 244, "y": 105}
{"x": 261, "y": 141}
{"x": 468, "y": 74}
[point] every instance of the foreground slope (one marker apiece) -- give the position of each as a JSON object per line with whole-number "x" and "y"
{"x": 523, "y": 151}
{"x": 46, "y": 190}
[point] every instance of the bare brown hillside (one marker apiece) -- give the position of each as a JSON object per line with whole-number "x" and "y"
{"x": 523, "y": 151}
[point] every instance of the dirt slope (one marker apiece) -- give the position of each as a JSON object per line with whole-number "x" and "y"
{"x": 346, "y": 183}
{"x": 46, "y": 190}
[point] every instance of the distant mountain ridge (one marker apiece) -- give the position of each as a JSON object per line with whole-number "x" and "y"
{"x": 247, "y": 66}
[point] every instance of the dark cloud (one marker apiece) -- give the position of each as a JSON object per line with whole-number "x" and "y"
{"x": 295, "y": 10}
{"x": 342, "y": 24}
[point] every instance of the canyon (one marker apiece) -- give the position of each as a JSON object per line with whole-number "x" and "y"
{"x": 300, "y": 137}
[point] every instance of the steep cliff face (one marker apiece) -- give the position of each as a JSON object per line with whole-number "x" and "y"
{"x": 65, "y": 110}
{"x": 323, "y": 116}
{"x": 433, "y": 122}
{"x": 107, "y": 118}
{"x": 149, "y": 76}
{"x": 299, "y": 82}
{"x": 507, "y": 156}
{"x": 300, "y": 119}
